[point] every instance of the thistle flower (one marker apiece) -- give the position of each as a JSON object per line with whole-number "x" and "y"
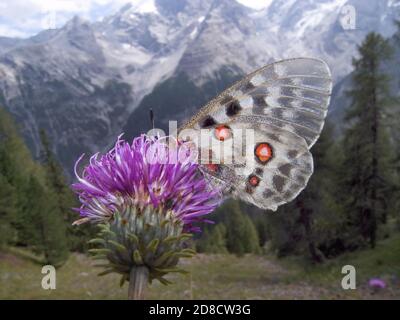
{"x": 147, "y": 197}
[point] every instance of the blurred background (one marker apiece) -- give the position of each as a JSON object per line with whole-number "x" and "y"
{"x": 74, "y": 75}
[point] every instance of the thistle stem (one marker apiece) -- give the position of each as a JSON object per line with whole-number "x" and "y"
{"x": 139, "y": 277}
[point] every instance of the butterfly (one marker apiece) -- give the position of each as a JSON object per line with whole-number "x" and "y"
{"x": 284, "y": 105}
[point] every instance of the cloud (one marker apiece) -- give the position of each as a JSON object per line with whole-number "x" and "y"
{"x": 12, "y": 32}
{"x": 24, "y": 18}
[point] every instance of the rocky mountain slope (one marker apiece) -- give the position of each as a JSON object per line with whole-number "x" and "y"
{"x": 86, "y": 82}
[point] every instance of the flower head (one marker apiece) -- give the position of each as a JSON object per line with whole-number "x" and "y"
{"x": 149, "y": 171}
{"x": 146, "y": 197}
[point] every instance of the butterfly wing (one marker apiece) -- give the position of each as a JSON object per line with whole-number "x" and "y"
{"x": 285, "y": 104}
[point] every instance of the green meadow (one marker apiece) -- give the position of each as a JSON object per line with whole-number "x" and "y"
{"x": 219, "y": 276}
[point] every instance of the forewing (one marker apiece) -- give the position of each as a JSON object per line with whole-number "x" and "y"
{"x": 291, "y": 94}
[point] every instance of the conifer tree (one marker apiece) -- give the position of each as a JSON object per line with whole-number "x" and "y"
{"x": 249, "y": 236}
{"x": 366, "y": 144}
{"x": 234, "y": 231}
{"x": 318, "y": 207}
{"x": 241, "y": 234}
{"x": 258, "y": 217}
{"x": 27, "y": 204}
{"x": 15, "y": 165}
{"x": 7, "y": 211}
{"x": 45, "y": 229}
{"x": 213, "y": 240}
{"x": 65, "y": 199}
{"x": 285, "y": 233}
{"x": 55, "y": 176}
{"x": 394, "y": 116}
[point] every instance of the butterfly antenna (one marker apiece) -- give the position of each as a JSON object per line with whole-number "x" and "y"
{"x": 152, "y": 118}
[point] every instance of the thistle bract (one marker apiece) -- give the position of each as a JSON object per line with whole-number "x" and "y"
{"x": 147, "y": 197}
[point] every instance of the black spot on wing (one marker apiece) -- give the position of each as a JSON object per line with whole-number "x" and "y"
{"x": 207, "y": 122}
{"x": 268, "y": 194}
{"x": 279, "y": 182}
{"x": 278, "y": 199}
{"x": 292, "y": 154}
{"x": 285, "y": 169}
{"x": 259, "y": 102}
{"x": 247, "y": 86}
{"x": 301, "y": 179}
{"x": 233, "y": 108}
{"x": 249, "y": 189}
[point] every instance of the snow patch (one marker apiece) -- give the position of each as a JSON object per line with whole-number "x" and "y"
{"x": 193, "y": 34}
{"x": 256, "y": 4}
{"x": 317, "y": 16}
{"x": 145, "y": 6}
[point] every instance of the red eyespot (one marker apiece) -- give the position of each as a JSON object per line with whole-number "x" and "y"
{"x": 222, "y": 132}
{"x": 254, "y": 180}
{"x": 263, "y": 152}
{"x": 212, "y": 167}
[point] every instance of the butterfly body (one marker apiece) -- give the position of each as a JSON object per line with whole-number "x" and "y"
{"x": 265, "y": 125}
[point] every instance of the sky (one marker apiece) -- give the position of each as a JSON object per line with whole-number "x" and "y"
{"x": 24, "y": 18}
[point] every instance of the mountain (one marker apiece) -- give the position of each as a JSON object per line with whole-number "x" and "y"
{"x": 86, "y": 82}
{"x": 8, "y": 43}
{"x": 226, "y": 47}
{"x": 61, "y": 82}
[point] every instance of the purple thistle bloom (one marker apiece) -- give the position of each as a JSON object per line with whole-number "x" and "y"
{"x": 377, "y": 283}
{"x": 144, "y": 174}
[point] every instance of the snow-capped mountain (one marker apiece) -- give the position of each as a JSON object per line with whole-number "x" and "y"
{"x": 86, "y": 82}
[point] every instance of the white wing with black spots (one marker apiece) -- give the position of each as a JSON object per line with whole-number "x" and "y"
{"x": 285, "y": 104}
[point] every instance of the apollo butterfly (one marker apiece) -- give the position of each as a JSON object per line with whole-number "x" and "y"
{"x": 284, "y": 105}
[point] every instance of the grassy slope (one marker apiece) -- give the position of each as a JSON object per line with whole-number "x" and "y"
{"x": 214, "y": 277}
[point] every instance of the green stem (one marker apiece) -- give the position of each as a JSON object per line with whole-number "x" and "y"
{"x": 138, "y": 280}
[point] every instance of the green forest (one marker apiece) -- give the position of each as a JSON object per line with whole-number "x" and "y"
{"x": 351, "y": 202}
